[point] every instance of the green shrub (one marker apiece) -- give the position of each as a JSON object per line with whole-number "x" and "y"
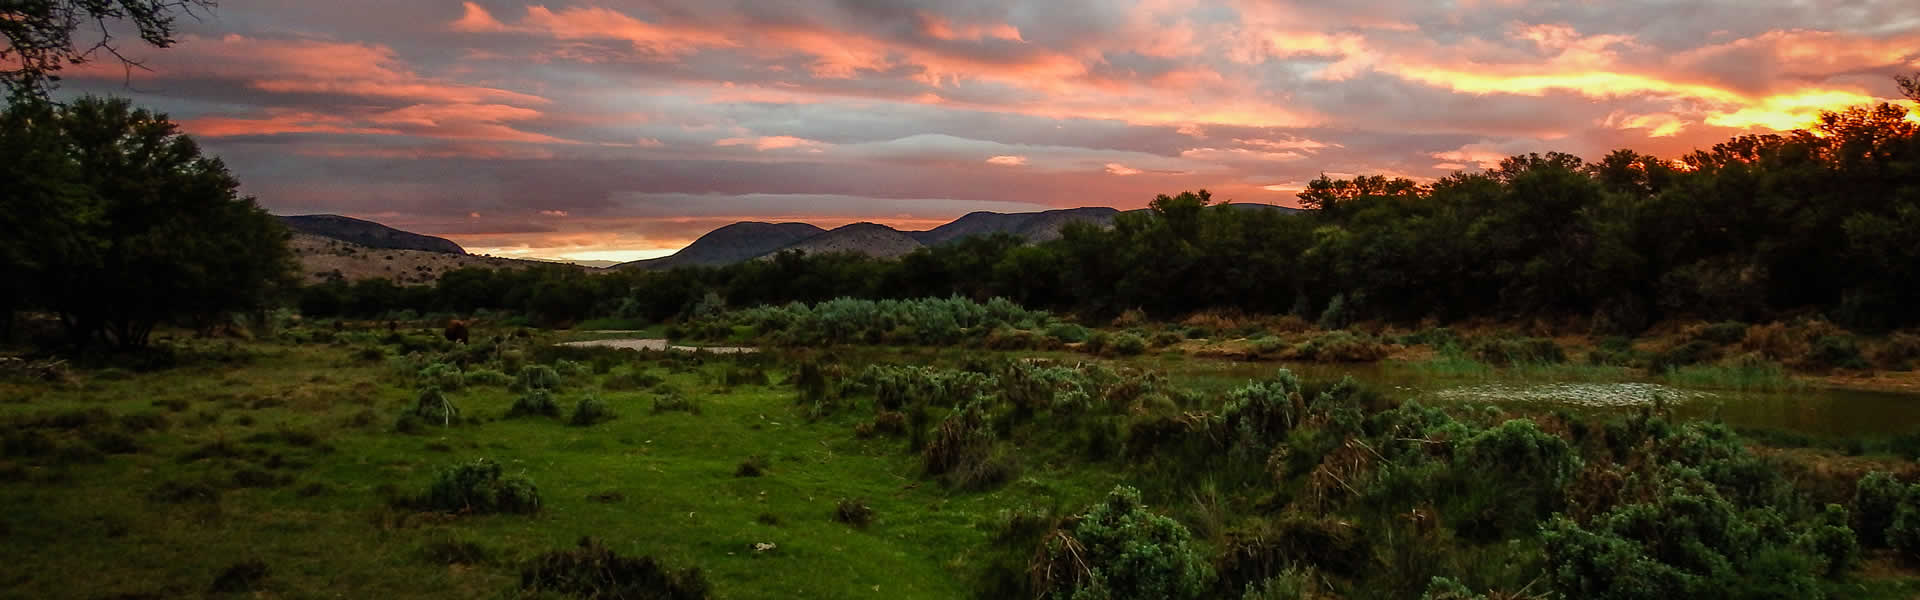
{"x": 1124, "y": 344}
{"x": 1067, "y": 333}
{"x": 478, "y": 487}
{"x": 1097, "y": 341}
{"x": 489, "y": 377}
{"x": 1335, "y": 316}
{"x": 853, "y": 511}
{"x": 1444, "y": 588}
{"x": 1119, "y": 549}
{"x": 1836, "y": 352}
{"x": 444, "y": 376}
{"x": 1260, "y": 414}
{"x": 534, "y": 403}
{"x": 626, "y": 377}
{"x": 1524, "y": 468}
{"x": 537, "y": 377}
{"x": 1684, "y": 355}
{"x": 674, "y": 401}
{"x": 735, "y": 376}
{"x": 1831, "y": 540}
{"x": 568, "y": 368}
{"x": 1506, "y": 351}
{"x": 433, "y": 405}
{"x": 1722, "y": 334}
{"x": 1162, "y": 339}
{"x": 590, "y": 411}
{"x": 1291, "y": 584}
{"x": 1268, "y": 346}
{"x": 1342, "y": 346}
{"x": 1875, "y": 499}
{"x": 593, "y": 571}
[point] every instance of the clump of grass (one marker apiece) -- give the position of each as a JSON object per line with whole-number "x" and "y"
{"x": 624, "y": 377}
{"x": 455, "y": 551}
{"x": 1453, "y": 362}
{"x": 591, "y": 570}
{"x": 1342, "y": 346}
{"x": 853, "y": 511}
{"x": 674, "y": 401}
{"x": 478, "y": 487}
{"x": 1747, "y": 373}
{"x": 444, "y": 376}
{"x": 243, "y": 576}
{"x": 1507, "y": 351}
{"x": 590, "y": 411}
{"x": 537, "y": 377}
{"x": 753, "y": 466}
{"x": 735, "y": 376}
{"x": 534, "y": 403}
{"x": 434, "y": 405}
{"x": 768, "y": 519}
{"x": 488, "y": 377}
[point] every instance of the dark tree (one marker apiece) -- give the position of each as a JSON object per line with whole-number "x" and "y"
{"x": 44, "y": 36}
{"x": 131, "y": 227}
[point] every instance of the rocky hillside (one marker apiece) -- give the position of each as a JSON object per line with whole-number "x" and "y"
{"x": 323, "y": 258}
{"x": 731, "y": 244}
{"x": 871, "y": 239}
{"x": 368, "y": 234}
{"x": 1035, "y": 226}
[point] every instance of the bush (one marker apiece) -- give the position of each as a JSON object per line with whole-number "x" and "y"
{"x": 674, "y": 401}
{"x": 1518, "y": 351}
{"x": 1067, "y": 333}
{"x": 753, "y": 466}
{"x": 626, "y": 377}
{"x": 1119, "y": 549}
{"x": 537, "y": 377}
{"x": 1722, "y": 334}
{"x": 534, "y": 403}
{"x": 433, "y": 405}
{"x": 1875, "y": 499}
{"x": 444, "y": 376}
{"x": 1836, "y": 352}
{"x": 593, "y": 571}
{"x": 243, "y": 576}
{"x": 479, "y": 488}
{"x": 735, "y": 376}
{"x": 1832, "y": 541}
{"x": 1342, "y": 346}
{"x": 1684, "y": 355}
{"x": 590, "y": 411}
{"x": 489, "y": 377}
{"x": 1124, "y": 344}
{"x": 853, "y": 511}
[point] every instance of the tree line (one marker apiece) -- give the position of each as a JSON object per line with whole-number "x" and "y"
{"x": 1824, "y": 220}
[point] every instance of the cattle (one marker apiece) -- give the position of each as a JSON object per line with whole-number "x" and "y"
{"x": 457, "y": 331}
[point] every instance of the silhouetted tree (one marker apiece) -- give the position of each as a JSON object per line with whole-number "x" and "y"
{"x": 40, "y": 35}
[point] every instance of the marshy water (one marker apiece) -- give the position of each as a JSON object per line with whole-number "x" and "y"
{"x": 657, "y": 344}
{"x": 1808, "y": 409}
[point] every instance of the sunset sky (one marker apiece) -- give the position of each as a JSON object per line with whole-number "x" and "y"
{"x": 623, "y": 129}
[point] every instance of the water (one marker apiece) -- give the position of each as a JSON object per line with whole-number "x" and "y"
{"x": 1813, "y": 410}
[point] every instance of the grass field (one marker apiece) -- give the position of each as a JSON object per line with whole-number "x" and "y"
{"x": 283, "y": 472}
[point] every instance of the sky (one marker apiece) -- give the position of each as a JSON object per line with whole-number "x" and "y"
{"x": 624, "y": 129}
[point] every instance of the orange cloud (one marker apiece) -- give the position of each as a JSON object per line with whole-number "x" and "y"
{"x": 1008, "y": 161}
{"x": 772, "y": 142}
{"x": 1121, "y": 170}
{"x": 278, "y": 123}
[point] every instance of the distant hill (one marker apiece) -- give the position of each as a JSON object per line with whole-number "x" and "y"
{"x": 368, "y": 233}
{"x": 731, "y": 244}
{"x": 325, "y": 258}
{"x": 871, "y": 239}
{"x": 1035, "y": 226}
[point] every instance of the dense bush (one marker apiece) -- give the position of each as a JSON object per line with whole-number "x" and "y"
{"x": 433, "y": 405}
{"x": 478, "y": 487}
{"x": 444, "y": 376}
{"x": 590, "y": 411}
{"x": 1518, "y": 351}
{"x": 930, "y": 321}
{"x": 1341, "y": 346}
{"x": 534, "y": 403}
{"x": 1124, "y": 344}
{"x": 1119, "y": 549}
{"x": 537, "y": 377}
{"x": 593, "y": 571}
{"x": 1876, "y": 498}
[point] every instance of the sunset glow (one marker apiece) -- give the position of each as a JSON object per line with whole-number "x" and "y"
{"x": 614, "y": 129}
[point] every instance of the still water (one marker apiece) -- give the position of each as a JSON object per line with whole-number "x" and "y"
{"x": 1814, "y": 410}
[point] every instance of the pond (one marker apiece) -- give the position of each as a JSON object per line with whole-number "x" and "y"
{"x": 1812, "y": 409}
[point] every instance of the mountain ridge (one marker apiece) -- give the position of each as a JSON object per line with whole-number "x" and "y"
{"x": 368, "y": 233}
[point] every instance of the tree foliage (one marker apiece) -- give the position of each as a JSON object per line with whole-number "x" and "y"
{"x": 119, "y": 223}
{"x": 41, "y": 35}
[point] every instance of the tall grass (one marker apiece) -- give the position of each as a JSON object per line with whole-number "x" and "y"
{"x": 1746, "y": 376}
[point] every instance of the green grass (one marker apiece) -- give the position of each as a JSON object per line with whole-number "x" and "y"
{"x": 1756, "y": 377}
{"x": 312, "y": 427}
{"x": 682, "y": 501}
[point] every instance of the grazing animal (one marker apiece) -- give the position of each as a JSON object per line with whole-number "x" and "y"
{"x": 457, "y": 331}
